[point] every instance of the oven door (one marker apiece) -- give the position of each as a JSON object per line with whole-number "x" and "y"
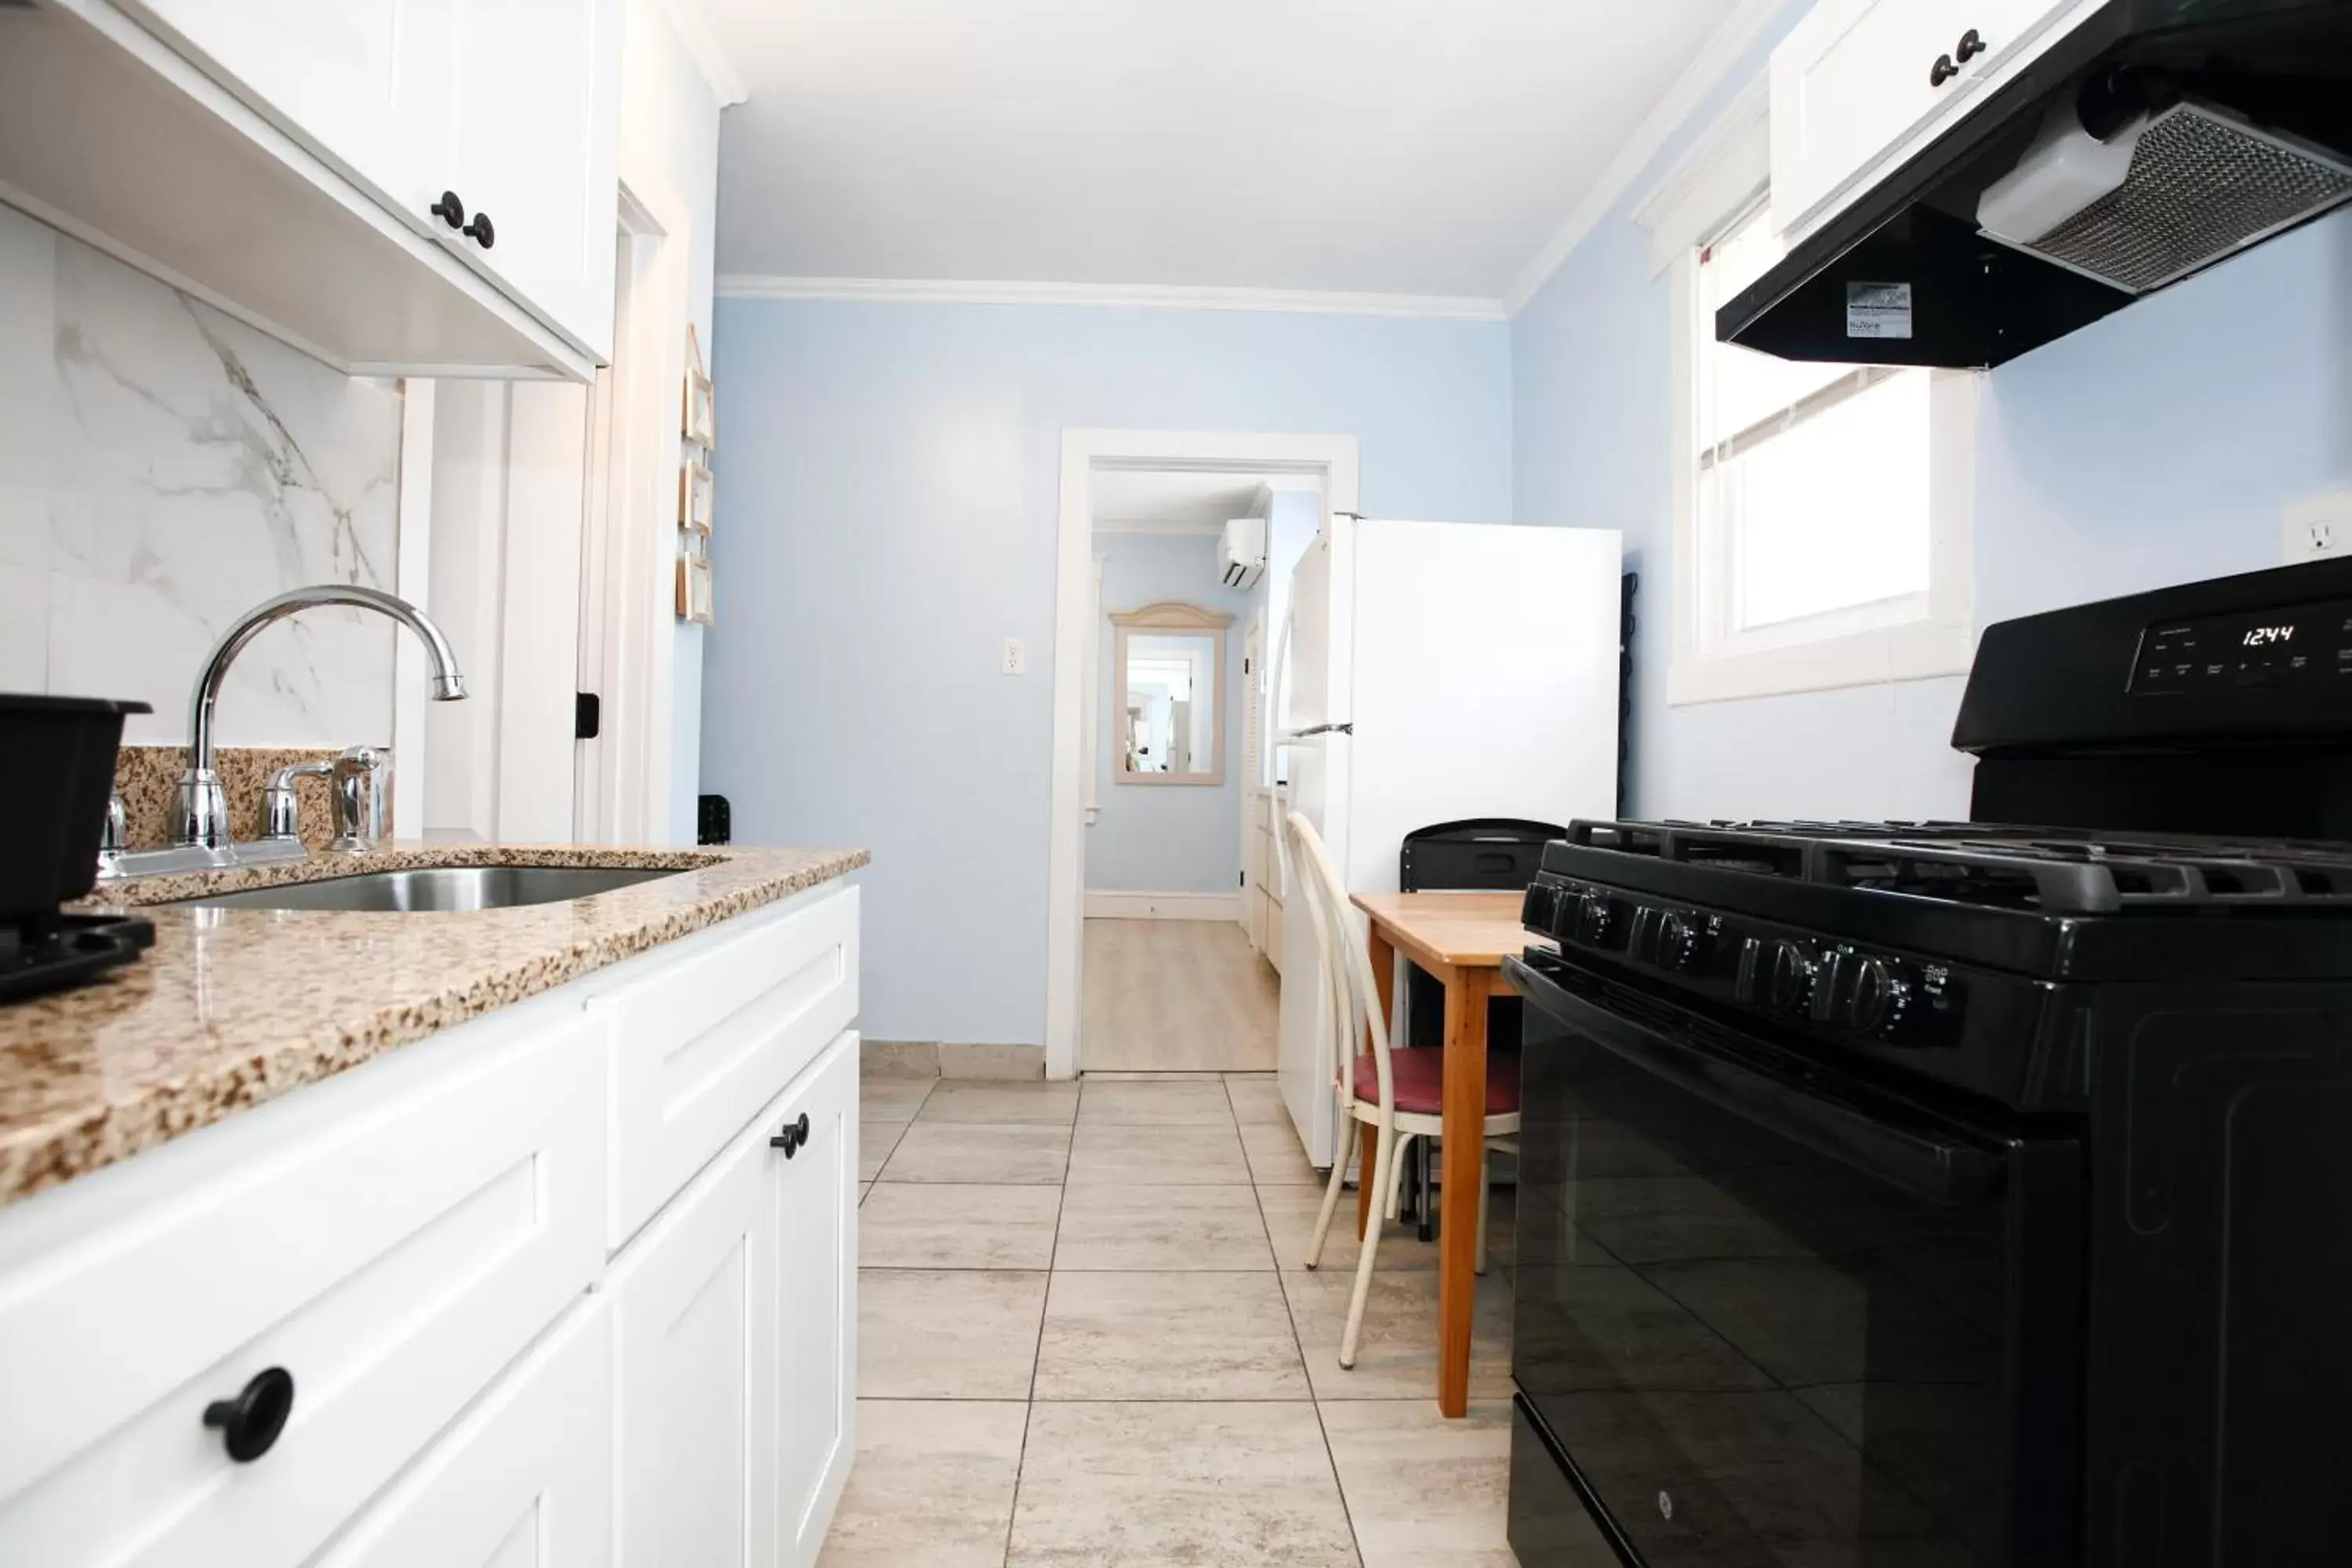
{"x": 1768, "y": 1316}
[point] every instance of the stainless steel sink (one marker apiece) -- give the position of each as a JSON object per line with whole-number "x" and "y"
{"x": 437, "y": 887}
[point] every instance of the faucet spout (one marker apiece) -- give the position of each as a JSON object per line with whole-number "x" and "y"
{"x": 203, "y": 810}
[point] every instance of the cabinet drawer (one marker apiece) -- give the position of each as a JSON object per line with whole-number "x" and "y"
{"x": 392, "y": 1250}
{"x": 526, "y": 1477}
{"x": 708, "y": 1032}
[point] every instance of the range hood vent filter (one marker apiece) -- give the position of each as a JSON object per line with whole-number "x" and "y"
{"x": 2202, "y": 184}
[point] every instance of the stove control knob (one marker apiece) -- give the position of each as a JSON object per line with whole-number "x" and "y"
{"x": 1880, "y": 999}
{"x": 1596, "y": 919}
{"x": 1789, "y": 971}
{"x": 1683, "y": 941}
{"x": 1540, "y": 910}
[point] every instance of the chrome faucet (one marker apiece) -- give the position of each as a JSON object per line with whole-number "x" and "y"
{"x": 203, "y": 809}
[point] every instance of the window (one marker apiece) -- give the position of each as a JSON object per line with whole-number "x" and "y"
{"x": 1821, "y": 509}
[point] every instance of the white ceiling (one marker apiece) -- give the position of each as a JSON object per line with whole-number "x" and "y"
{"x": 1417, "y": 147}
{"x": 1160, "y": 502}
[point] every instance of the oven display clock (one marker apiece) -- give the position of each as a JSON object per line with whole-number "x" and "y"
{"x": 2296, "y": 646}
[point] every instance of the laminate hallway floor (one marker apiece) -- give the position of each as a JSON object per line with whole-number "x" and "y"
{"x": 1177, "y": 996}
{"x": 1086, "y": 1338}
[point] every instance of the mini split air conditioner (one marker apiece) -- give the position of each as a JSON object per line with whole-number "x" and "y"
{"x": 1241, "y": 552}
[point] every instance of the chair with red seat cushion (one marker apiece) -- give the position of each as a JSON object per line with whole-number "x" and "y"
{"x": 1396, "y": 1091}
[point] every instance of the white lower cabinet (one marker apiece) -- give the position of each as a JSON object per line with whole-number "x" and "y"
{"x": 813, "y": 1216}
{"x": 421, "y": 1250}
{"x": 735, "y": 1340}
{"x": 526, "y": 1478}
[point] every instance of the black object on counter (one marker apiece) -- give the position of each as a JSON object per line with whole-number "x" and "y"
{"x": 713, "y": 822}
{"x": 57, "y": 773}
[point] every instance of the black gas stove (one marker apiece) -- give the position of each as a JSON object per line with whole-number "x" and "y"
{"x": 1927, "y": 1193}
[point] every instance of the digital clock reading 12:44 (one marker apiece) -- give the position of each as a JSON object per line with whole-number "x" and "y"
{"x": 2261, "y": 636}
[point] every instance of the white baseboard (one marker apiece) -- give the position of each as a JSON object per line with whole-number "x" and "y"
{"x": 1107, "y": 906}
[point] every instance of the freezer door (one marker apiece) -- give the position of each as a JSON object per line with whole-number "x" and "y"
{"x": 1484, "y": 680}
{"x": 1304, "y": 1062}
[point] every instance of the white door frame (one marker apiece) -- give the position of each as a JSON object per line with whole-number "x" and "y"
{"x": 629, "y": 561}
{"x": 1330, "y": 459}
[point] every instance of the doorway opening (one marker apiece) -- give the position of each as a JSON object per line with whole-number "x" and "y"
{"x": 1159, "y": 862}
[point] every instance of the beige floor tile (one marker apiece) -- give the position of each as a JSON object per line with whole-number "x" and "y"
{"x": 1420, "y": 1488}
{"x": 1109, "y": 1102}
{"x": 863, "y": 1188}
{"x": 1277, "y": 1157}
{"x": 876, "y": 1138}
{"x": 947, "y": 1333}
{"x": 1290, "y": 1223}
{"x": 1161, "y": 1156}
{"x": 1257, "y": 1098}
{"x": 1036, "y": 1102}
{"x": 1143, "y": 1485}
{"x": 893, "y": 1098}
{"x": 925, "y": 1224}
{"x": 960, "y": 1059}
{"x": 968, "y": 1152}
{"x": 1396, "y": 1355}
{"x": 1196, "y": 1228}
{"x": 1114, "y": 1076}
{"x": 932, "y": 1485}
{"x": 1168, "y": 1336}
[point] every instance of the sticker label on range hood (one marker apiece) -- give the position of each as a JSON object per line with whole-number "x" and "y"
{"x": 1878, "y": 310}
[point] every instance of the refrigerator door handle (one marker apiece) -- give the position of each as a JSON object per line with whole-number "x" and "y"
{"x": 1312, "y": 730}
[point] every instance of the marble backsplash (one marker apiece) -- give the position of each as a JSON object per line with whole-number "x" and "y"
{"x": 163, "y": 468}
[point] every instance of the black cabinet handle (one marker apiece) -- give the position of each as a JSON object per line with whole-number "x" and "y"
{"x": 480, "y": 231}
{"x": 1942, "y": 71}
{"x": 449, "y": 209}
{"x": 793, "y": 1135}
{"x": 250, "y": 1423}
{"x": 1972, "y": 44}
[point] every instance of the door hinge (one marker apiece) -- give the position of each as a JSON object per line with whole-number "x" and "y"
{"x": 587, "y": 715}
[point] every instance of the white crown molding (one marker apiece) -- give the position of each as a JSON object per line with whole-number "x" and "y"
{"x": 1723, "y": 50}
{"x": 701, "y": 46}
{"x": 1159, "y": 525}
{"x": 1148, "y": 296}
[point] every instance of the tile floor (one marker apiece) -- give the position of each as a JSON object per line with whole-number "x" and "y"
{"x": 1086, "y": 1338}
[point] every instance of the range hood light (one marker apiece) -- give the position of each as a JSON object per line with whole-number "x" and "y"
{"x": 2064, "y": 171}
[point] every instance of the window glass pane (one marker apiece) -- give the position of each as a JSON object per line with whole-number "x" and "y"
{"x": 1740, "y": 387}
{"x": 1829, "y": 513}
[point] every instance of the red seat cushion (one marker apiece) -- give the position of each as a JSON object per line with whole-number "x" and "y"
{"x": 1419, "y": 1071}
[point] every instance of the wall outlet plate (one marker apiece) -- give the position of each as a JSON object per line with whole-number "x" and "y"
{"x": 2315, "y": 527}
{"x": 1015, "y": 657}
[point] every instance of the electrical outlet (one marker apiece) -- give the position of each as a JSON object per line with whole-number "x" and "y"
{"x": 1015, "y": 661}
{"x": 2315, "y": 526}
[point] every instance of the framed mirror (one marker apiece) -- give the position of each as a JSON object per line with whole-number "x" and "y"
{"x": 1168, "y": 694}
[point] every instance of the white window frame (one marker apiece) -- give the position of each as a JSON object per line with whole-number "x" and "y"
{"x": 1717, "y": 183}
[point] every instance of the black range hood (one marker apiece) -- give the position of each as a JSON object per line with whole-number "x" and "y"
{"x": 2233, "y": 116}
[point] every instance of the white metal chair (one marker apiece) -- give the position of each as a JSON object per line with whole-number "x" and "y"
{"x": 1391, "y": 1090}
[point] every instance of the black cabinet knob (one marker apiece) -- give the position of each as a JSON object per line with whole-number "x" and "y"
{"x": 480, "y": 232}
{"x": 449, "y": 209}
{"x": 1972, "y": 44}
{"x": 793, "y": 1135}
{"x": 250, "y": 1423}
{"x": 1942, "y": 71}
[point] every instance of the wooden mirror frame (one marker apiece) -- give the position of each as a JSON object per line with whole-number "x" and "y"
{"x": 1175, "y": 616}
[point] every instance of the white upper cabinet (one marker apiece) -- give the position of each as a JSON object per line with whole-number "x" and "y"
{"x": 287, "y": 160}
{"x": 1858, "y": 84}
{"x": 364, "y": 84}
{"x": 535, "y": 153}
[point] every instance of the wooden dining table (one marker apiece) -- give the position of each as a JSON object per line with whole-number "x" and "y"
{"x": 1461, "y": 939}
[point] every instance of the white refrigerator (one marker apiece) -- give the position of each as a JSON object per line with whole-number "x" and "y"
{"x": 1433, "y": 671}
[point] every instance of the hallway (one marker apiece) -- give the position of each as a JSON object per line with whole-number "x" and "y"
{"x": 1176, "y": 997}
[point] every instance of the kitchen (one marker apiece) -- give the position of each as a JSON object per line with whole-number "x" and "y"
{"x": 892, "y": 464}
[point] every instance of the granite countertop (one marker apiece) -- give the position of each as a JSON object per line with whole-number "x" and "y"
{"x": 233, "y": 1007}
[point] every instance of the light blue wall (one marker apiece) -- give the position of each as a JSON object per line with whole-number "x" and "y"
{"x": 887, "y": 517}
{"x": 1167, "y": 839}
{"x": 2156, "y": 447}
